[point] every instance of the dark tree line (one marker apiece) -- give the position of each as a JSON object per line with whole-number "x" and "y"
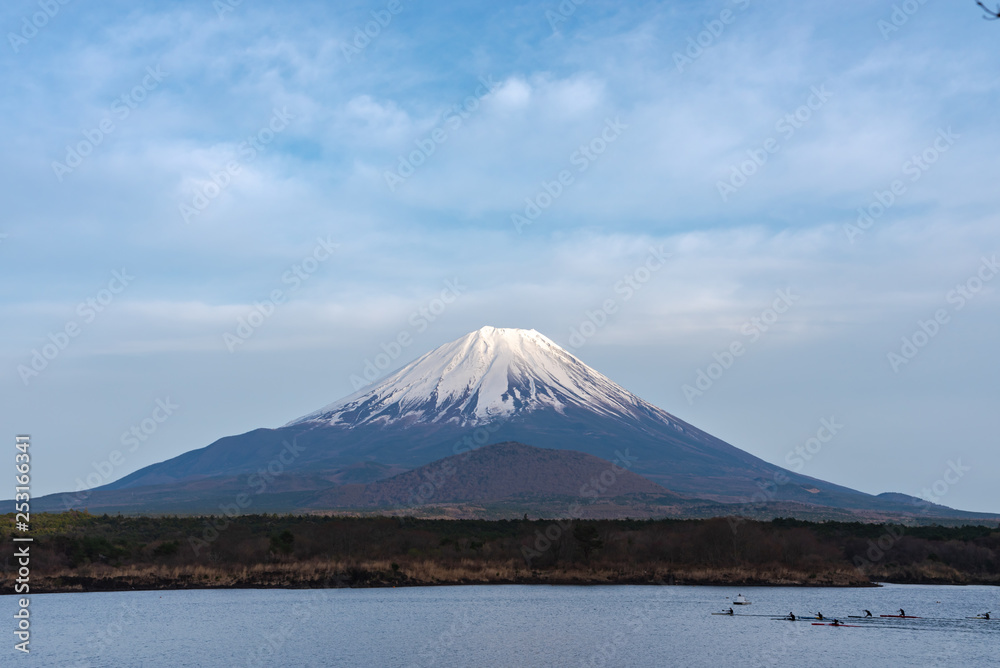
{"x": 74, "y": 543}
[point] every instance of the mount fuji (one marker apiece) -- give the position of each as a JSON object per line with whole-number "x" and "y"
{"x": 489, "y": 376}
{"x": 493, "y": 385}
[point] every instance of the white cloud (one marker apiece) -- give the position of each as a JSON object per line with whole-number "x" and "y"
{"x": 657, "y": 184}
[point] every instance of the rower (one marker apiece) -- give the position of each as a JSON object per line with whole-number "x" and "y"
{"x": 791, "y": 616}
{"x": 985, "y": 615}
{"x": 868, "y": 613}
{"x": 836, "y": 622}
{"x": 819, "y": 616}
{"x": 730, "y": 611}
{"x": 902, "y": 613}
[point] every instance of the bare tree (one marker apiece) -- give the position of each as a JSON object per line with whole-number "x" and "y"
{"x": 991, "y": 15}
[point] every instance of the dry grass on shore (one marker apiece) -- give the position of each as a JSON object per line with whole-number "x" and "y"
{"x": 385, "y": 573}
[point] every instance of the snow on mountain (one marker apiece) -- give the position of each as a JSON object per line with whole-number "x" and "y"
{"x": 536, "y": 395}
{"x": 487, "y": 375}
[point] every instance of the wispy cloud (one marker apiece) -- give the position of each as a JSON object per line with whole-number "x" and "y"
{"x": 553, "y": 87}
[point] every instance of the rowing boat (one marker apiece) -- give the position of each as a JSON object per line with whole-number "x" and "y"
{"x": 853, "y": 626}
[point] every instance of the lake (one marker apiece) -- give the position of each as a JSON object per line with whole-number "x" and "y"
{"x": 510, "y": 625}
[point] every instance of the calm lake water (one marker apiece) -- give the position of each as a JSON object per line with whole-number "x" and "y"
{"x": 508, "y": 626}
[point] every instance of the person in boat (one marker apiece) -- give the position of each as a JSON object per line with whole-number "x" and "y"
{"x": 902, "y": 613}
{"x": 868, "y": 613}
{"x": 819, "y": 616}
{"x": 730, "y": 612}
{"x": 985, "y": 615}
{"x": 791, "y": 616}
{"x": 836, "y": 622}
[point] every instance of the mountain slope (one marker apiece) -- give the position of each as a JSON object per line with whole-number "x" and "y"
{"x": 496, "y": 385}
{"x": 489, "y": 386}
{"x": 505, "y": 471}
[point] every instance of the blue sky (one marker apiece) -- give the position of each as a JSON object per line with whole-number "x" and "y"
{"x": 229, "y": 147}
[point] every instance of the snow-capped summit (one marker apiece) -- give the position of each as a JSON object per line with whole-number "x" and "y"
{"x": 490, "y": 374}
{"x": 492, "y": 386}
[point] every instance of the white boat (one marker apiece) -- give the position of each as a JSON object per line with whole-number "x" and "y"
{"x": 740, "y": 600}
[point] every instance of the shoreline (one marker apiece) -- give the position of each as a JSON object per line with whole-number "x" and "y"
{"x": 361, "y": 579}
{"x": 174, "y": 586}
{"x": 108, "y": 585}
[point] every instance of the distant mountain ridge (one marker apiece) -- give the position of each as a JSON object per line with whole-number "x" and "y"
{"x": 504, "y": 480}
{"x": 494, "y": 385}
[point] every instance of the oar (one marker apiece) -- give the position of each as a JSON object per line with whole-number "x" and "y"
{"x": 750, "y": 614}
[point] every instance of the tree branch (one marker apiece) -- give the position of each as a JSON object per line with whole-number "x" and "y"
{"x": 991, "y": 15}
